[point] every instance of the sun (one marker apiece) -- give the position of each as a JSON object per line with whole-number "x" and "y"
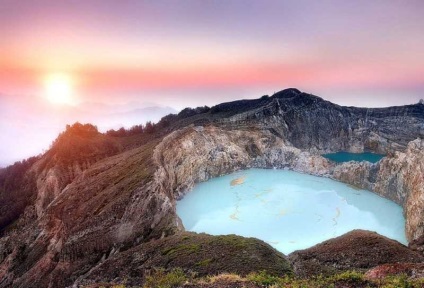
{"x": 59, "y": 89}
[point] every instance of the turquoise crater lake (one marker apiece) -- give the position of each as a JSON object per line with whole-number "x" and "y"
{"x": 340, "y": 157}
{"x": 288, "y": 210}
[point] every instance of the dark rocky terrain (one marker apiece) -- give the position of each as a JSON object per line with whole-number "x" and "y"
{"x": 83, "y": 210}
{"x": 199, "y": 253}
{"x": 358, "y": 250}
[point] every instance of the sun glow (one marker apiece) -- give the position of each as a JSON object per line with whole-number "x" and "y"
{"x": 59, "y": 89}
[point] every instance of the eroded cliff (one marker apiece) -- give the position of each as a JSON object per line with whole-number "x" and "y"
{"x": 399, "y": 177}
{"x": 196, "y": 154}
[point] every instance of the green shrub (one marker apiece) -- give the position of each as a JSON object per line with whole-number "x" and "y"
{"x": 162, "y": 279}
{"x": 262, "y": 278}
{"x": 349, "y": 276}
{"x": 204, "y": 262}
{"x": 399, "y": 281}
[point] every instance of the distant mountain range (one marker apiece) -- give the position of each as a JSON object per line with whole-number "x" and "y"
{"x": 32, "y": 125}
{"x": 142, "y": 115}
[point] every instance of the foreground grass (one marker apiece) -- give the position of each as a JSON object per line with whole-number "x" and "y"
{"x": 177, "y": 278}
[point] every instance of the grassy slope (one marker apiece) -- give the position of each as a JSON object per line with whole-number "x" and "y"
{"x": 198, "y": 254}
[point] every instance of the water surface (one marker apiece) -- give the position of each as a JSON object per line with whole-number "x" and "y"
{"x": 289, "y": 210}
{"x": 340, "y": 157}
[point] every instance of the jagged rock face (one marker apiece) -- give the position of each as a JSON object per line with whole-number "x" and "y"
{"x": 312, "y": 124}
{"x": 196, "y": 154}
{"x": 51, "y": 182}
{"x": 399, "y": 177}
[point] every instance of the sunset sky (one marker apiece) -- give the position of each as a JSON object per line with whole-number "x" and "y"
{"x": 131, "y": 54}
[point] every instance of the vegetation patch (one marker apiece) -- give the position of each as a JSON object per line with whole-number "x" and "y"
{"x": 224, "y": 277}
{"x": 212, "y": 255}
{"x": 263, "y": 279}
{"x": 204, "y": 262}
{"x": 162, "y": 279}
{"x": 350, "y": 279}
{"x": 185, "y": 249}
{"x": 200, "y": 254}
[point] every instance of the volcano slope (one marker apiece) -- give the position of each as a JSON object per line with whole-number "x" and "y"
{"x": 71, "y": 214}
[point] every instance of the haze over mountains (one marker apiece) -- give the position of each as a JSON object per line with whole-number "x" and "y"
{"x": 38, "y": 122}
{"x": 29, "y": 124}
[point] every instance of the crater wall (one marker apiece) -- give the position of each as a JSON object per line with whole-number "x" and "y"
{"x": 196, "y": 154}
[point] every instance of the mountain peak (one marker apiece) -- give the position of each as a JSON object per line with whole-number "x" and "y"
{"x": 287, "y": 93}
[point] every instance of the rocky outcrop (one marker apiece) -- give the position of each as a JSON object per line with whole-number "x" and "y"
{"x": 196, "y": 154}
{"x": 52, "y": 181}
{"x": 356, "y": 250}
{"x": 412, "y": 270}
{"x": 399, "y": 177}
{"x": 310, "y": 123}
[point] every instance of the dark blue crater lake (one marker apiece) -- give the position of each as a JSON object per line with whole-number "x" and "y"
{"x": 340, "y": 157}
{"x": 289, "y": 210}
